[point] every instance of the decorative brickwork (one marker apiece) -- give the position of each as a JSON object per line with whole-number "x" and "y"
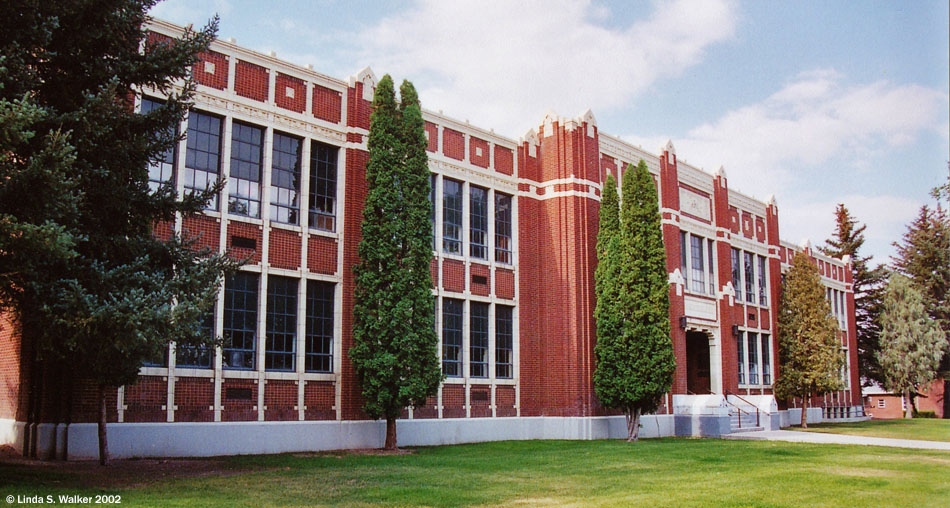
{"x": 505, "y": 401}
{"x": 239, "y": 400}
{"x": 246, "y": 231}
{"x": 284, "y": 249}
{"x": 453, "y": 275}
{"x": 194, "y": 399}
{"x": 432, "y": 130}
{"x": 504, "y": 160}
{"x": 480, "y": 396}
{"x": 290, "y": 93}
{"x": 453, "y": 144}
{"x": 211, "y": 70}
{"x": 280, "y": 400}
{"x": 478, "y": 152}
{"x": 146, "y": 400}
{"x": 318, "y": 397}
{"x": 321, "y": 255}
{"x": 453, "y": 401}
{"x": 480, "y": 273}
{"x": 251, "y": 81}
{"x": 205, "y": 231}
{"x": 428, "y": 410}
{"x": 327, "y": 104}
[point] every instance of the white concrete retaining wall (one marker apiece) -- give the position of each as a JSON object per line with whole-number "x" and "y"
{"x": 238, "y": 438}
{"x": 793, "y": 416}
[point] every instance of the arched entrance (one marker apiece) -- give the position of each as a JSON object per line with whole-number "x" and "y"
{"x": 697, "y": 363}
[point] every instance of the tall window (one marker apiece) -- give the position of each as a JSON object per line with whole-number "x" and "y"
{"x": 740, "y": 348}
{"x": 684, "y": 256}
{"x": 319, "y": 351}
{"x": 698, "y": 269}
{"x": 502, "y": 228}
{"x": 478, "y": 339}
{"x": 766, "y": 360}
{"x": 451, "y": 216}
{"x": 736, "y": 274}
{"x": 244, "y": 182}
{"x": 763, "y": 294}
{"x": 452, "y": 337}
{"x": 197, "y": 357}
{"x": 281, "y": 323}
{"x": 504, "y": 350}
{"x": 285, "y": 179}
{"x": 478, "y": 222}
{"x": 203, "y": 154}
{"x": 712, "y": 275}
{"x": 432, "y": 181}
{"x": 162, "y": 170}
{"x": 240, "y": 320}
{"x": 753, "y": 356}
{"x": 323, "y": 162}
{"x": 749, "y": 277}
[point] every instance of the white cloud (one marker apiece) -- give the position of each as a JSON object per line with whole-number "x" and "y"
{"x": 184, "y": 12}
{"x": 501, "y": 63}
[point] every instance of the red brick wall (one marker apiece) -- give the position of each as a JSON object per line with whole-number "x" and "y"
{"x": 321, "y": 255}
{"x": 10, "y": 374}
{"x": 85, "y": 402}
{"x": 474, "y": 144}
{"x": 327, "y": 104}
{"x": 246, "y": 230}
{"x": 453, "y": 144}
{"x": 505, "y": 282}
{"x": 428, "y": 410}
{"x": 892, "y": 407}
{"x": 284, "y": 249}
{"x": 480, "y": 396}
{"x": 453, "y": 275}
{"x": 163, "y": 230}
{"x": 233, "y": 410}
{"x": 219, "y": 78}
{"x": 205, "y": 230}
{"x": 194, "y": 399}
{"x": 505, "y": 401}
{"x": 478, "y": 270}
{"x": 251, "y": 81}
{"x": 434, "y": 272}
{"x": 504, "y": 160}
{"x": 280, "y": 400}
{"x": 284, "y": 82}
{"x": 146, "y": 399}
{"x": 453, "y": 401}
{"x": 433, "y": 131}
{"x": 318, "y": 397}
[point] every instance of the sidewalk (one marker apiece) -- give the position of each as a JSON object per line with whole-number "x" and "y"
{"x": 817, "y": 437}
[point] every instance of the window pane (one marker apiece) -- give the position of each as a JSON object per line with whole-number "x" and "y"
{"x": 162, "y": 170}
{"x": 451, "y": 216}
{"x": 712, "y": 275}
{"x": 281, "y": 323}
{"x": 753, "y": 358}
{"x": 763, "y": 298}
{"x": 319, "y": 353}
{"x": 240, "y": 321}
{"x": 432, "y": 183}
{"x": 202, "y": 154}
{"x": 740, "y": 347}
{"x": 478, "y": 339}
{"x": 244, "y": 182}
{"x": 285, "y": 179}
{"x": 323, "y": 169}
{"x": 684, "y": 256}
{"x": 452, "y": 337}
{"x": 504, "y": 351}
{"x": 749, "y": 277}
{"x": 698, "y": 267}
{"x": 478, "y": 222}
{"x": 766, "y": 360}
{"x": 736, "y": 274}
{"x": 503, "y": 228}
{"x": 197, "y": 357}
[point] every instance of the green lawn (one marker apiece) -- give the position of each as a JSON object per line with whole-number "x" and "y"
{"x": 926, "y": 429}
{"x": 655, "y": 472}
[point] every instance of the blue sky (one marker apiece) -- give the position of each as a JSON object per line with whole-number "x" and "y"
{"x": 817, "y": 102}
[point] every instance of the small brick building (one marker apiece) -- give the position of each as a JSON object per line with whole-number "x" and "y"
{"x": 515, "y": 223}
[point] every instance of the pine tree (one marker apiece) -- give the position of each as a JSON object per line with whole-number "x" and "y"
{"x": 848, "y": 239}
{"x": 635, "y": 361}
{"x": 810, "y": 352}
{"x": 912, "y": 343}
{"x": 395, "y": 349}
{"x": 112, "y": 295}
{"x": 923, "y": 255}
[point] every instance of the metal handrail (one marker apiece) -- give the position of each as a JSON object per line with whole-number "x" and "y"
{"x": 736, "y": 395}
{"x": 757, "y": 410}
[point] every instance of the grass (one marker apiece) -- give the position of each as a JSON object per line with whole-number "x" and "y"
{"x": 660, "y": 472}
{"x": 925, "y": 429}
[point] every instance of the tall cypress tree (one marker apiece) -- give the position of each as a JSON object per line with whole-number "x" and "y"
{"x": 608, "y": 384}
{"x": 809, "y": 349}
{"x": 113, "y": 295}
{"x": 635, "y": 359}
{"x": 395, "y": 348}
{"x": 912, "y": 343}
{"x": 848, "y": 239}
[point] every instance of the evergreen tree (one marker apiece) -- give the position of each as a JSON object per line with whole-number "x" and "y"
{"x": 810, "y": 351}
{"x": 912, "y": 343}
{"x": 635, "y": 361}
{"x": 923, "y": 255}
{"x": 848, "y": 239}
{"x": 110, "y": 295}
{"x": 395, "y": 349}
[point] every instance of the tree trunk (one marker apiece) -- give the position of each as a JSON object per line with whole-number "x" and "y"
{"x": 103, "y": 443}
{"x": 633, "y": 425}
{"x": 390, "y": 433}
{"x": 908, "y": 405}
{"x": 805, "y": 411}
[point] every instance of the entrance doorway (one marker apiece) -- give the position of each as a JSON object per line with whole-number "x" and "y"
{"x": 697, "y": 363}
